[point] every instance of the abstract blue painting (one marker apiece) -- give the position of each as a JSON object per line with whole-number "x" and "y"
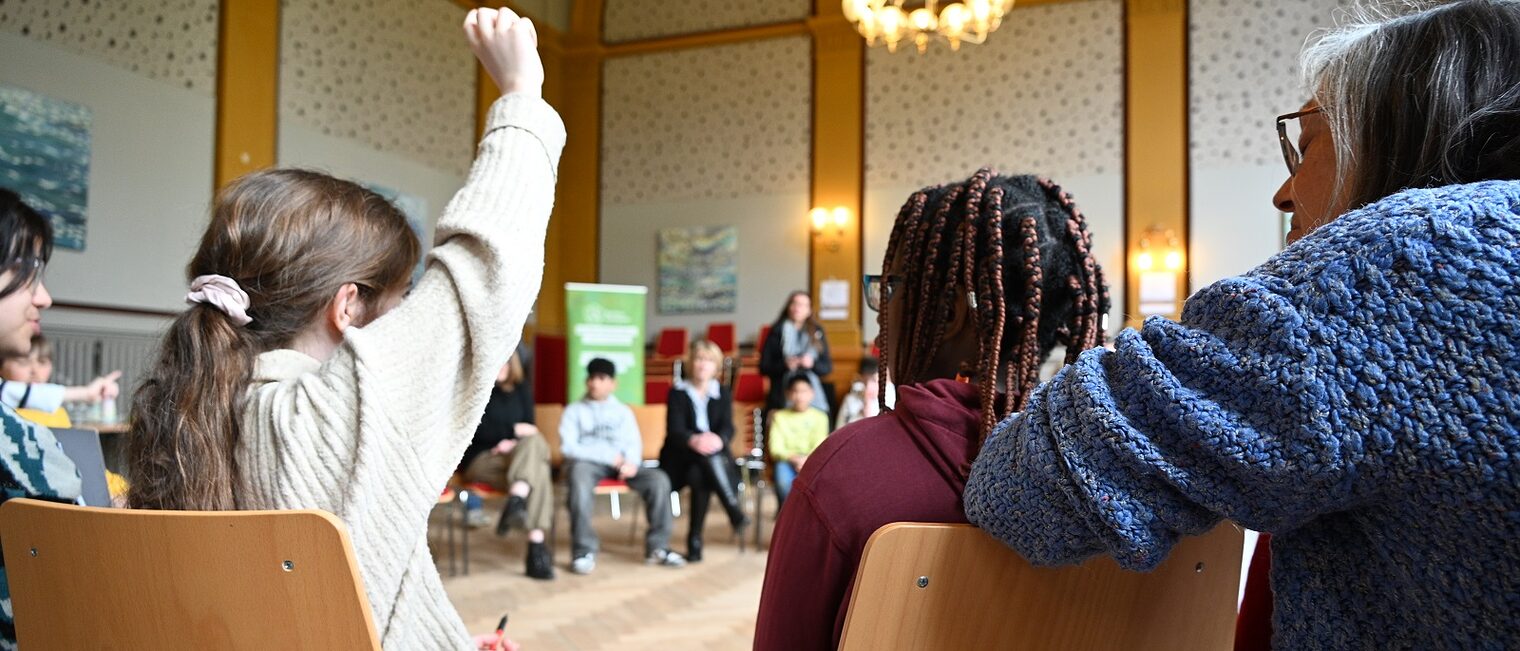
{"x": 699, "y": 270}
{"x": 45, "y": 157}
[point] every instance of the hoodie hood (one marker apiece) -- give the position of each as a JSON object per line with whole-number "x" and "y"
{"x": 942, "y": 417}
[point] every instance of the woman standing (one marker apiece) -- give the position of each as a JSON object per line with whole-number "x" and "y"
{"x": 699, "y": 428}
{"x": 796, "y": 344}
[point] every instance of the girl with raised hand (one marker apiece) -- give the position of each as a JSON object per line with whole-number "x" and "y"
{"x": 291, "y": 382}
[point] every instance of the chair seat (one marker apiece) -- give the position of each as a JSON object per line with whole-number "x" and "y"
{"x": 606, "y": 486}
{"x": 484, "y": 490}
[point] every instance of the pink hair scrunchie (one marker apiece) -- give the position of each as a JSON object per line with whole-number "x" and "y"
{"x": 224, "y": 294}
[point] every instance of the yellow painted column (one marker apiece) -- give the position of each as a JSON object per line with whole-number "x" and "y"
{"x": 1156, "y": 138}
{"x": 247, "y": 87}
{"x": 574, "y": 88}
{"x": 838, "y": 167}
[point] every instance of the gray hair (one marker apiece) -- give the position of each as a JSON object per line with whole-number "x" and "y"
{"x": 1419, "y": 94}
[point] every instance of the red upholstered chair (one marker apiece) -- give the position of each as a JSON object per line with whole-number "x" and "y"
{"x": 750, "y": 388}
{"x": 655, "y": 391}
{"x": 722, "y": 335}
{"x": 550, "y": 359}
{"x": 671, "y": 343}
{"x": 765, "y": 333}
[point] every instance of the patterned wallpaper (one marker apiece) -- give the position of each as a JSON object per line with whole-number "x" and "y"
{"x": 695, "y": 124}
{"x": 397, "y": 76}
{"x": 1043, "y": 95}
{"x": 1244, "y": 72}
{"x": 631, "y": 20}
{"x": 173, "y": 41}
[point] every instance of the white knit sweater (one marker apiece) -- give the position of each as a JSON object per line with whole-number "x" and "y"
{"x": 373, "y": 434}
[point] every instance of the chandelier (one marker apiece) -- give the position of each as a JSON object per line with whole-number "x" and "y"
{"x": 897, "y": 21}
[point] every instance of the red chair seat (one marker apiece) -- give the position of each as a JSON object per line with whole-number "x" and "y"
{"x": 611, "y": 485}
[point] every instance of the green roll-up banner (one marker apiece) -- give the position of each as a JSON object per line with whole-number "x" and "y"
{"x": 606, "y": 321}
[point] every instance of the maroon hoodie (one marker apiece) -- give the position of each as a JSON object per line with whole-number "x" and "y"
{"x": 907, "y": 465}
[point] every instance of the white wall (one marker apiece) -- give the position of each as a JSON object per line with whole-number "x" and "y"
{"x": 302, "y": 145}
{"x": 1234, "y": 226}
{"x": 773, "y": 254}
{"x": 150, "y": 175}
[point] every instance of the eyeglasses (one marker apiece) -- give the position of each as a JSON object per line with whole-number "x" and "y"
{"x": 1289, "y": 142}
{"x": 879, "y": 289}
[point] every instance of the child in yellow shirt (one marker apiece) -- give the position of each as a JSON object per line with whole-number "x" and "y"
{"x": 795, "y": 432}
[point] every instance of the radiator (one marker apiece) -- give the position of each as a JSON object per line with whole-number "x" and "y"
{"x": 82, "y": 354}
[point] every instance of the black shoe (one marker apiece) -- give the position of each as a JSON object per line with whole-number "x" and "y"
{"x": 694, "y": 550}
{"x": 516, "y": 513}
{"x": 739, "y": 519}
{"x": 540, "y": 565}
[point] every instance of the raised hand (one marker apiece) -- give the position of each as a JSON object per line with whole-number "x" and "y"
{"x": 507, "y": 46}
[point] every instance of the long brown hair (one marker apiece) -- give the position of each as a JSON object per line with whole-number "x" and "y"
{"x": 1019, "y": 244}
{"x": 810, "y": 324}
{"x": 291, "y": 239}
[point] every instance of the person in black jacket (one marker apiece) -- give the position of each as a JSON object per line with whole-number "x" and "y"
{"x": 699, "y": 428}
{"x": 796, "y": 345}
{"x": 509, "y": 455}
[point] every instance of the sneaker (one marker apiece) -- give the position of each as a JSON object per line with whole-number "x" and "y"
{"x": 515, "y": 514}
{"x": 476, "y": 518}
{"x": 540, "y": 564}
{"x": 664, "y": 557}
{"x": 583, "y": 564}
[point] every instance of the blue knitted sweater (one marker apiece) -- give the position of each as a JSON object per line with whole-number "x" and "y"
{"x": 1358, "y": 396}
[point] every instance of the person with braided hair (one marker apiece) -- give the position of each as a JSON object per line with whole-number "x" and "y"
{"x": 982, "y": 280}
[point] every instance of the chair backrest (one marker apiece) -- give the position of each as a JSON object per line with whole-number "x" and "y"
{"x": 672, "y": 342}
{"x": 656, "y": 391}
{"x": 547, "y": 418}
{"x": 550, "y": 359}
{"x": 943, "y": 586}
{"x": 84, "y": 578}
{"x": 651, "y": 419}
{"x": 750, "y": 387}
{"x": 722, "y": 335}
{"x": 82, "y": 446}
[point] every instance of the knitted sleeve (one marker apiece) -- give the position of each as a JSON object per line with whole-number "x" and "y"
{"x": 425, "y": 369}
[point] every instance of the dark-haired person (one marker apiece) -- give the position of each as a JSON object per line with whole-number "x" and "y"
{"x": 981, "y": 280}
{"x": 599, "y": 437}
{"x": 795, "y": 432}
{"x": 796, "y": 344}
{"x": 31, "y": 462}
{"x": 1357, "y": 396}
{"x": 699, "y": 427}
{"x": 864, "y": 399}
{"x": 508, "y": 455}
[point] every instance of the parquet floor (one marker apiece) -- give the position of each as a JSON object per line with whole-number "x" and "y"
{"x": 623, "y": 605}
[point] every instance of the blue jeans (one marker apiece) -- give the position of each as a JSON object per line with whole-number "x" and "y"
{"x": 785, "y": 474}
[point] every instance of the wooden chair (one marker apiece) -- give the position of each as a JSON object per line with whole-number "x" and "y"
{"x": 946, "y": 586}
{"x": 90, "y": 578}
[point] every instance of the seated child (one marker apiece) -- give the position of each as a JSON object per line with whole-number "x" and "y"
{"x": 24, "y": 385}
{"x": 795, "y": 432}
{"x": 600, "y": 440}
{"x": 863, "y": 401}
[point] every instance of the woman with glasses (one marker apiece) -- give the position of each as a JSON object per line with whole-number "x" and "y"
{"x": 982, "y": 279}
{"x": 1357, "y": 396}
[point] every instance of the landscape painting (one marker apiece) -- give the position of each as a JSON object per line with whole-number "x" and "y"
{"x": 699, "y": 270}
{"x": 45, "y": 158}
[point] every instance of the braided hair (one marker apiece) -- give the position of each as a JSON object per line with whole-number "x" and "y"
{"x": 1020, "y": 247}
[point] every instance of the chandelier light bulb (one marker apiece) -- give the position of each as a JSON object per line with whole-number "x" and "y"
{"x": 820, "y": 218}
{"x": 1144, "y": 261}
{"x": 841, "y": 216}
{"x": 1173, "y": 260}
{"x": 923, "y": 21}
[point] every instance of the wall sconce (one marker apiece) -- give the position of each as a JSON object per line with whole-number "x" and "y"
{"x": 823, "y": 220}
{"x": 1159, "y": 259}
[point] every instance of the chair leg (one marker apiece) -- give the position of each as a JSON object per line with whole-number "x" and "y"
{"x": 633, "y": 526}
{"x": 464, "y": 531}
{"x": 675, "y": 505}
{"x": 617, "y": 511}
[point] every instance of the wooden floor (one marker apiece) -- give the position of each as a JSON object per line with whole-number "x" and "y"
{"x": 623, "y": 605}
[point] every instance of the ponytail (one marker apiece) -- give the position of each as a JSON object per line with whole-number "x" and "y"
{"x": 289, "y": 239}
{"x": 185, "y": 416}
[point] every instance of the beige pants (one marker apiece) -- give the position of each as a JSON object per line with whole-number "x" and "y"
{"x": 528, "y": 462}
